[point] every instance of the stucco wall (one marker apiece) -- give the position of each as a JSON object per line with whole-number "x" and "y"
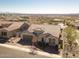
{"x": 50, "y": 39}
{"x": 3, "y": 30}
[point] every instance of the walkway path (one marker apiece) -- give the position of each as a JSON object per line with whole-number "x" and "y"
{"x": 14, "y": 39}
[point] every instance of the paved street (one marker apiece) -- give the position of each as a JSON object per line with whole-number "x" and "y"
{"x": 11, "y": 53}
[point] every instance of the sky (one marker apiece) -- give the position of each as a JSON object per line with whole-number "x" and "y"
{"x": 40, "y": 6}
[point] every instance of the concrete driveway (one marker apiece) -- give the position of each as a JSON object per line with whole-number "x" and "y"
{"x": 12, "y": 53}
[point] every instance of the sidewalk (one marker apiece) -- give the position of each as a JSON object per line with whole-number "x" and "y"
{"x": 30, "y": 50}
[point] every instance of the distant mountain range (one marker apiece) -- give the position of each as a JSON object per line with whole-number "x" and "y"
{"x": 50, "y": 15}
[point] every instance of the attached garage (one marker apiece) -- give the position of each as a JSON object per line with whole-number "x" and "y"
{"x": 26, "y": 39}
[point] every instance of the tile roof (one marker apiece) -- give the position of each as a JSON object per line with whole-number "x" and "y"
{"x": 51, "y": 29}
{"x": 9, "y": 26}
{"x": 14, "y": 26}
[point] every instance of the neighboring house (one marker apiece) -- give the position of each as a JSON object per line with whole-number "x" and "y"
{"x": 77, "y": 25}
{"x": 58, "y": 20}
{"x": 76, "y": 20}
{"x": 13, "y": 29}
{"x": 47, "y": 33}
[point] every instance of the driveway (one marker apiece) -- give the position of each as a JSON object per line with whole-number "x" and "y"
{"x": 12, "y": 53}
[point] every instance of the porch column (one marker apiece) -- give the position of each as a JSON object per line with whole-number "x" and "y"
{"x": 34, "y": 40}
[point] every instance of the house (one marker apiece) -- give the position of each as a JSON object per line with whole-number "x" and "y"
{"x": 13, "y": 29}
{"x": 58, "y": 20}
{"x": 77, "y": 25}
{"x": 45, "y": 33}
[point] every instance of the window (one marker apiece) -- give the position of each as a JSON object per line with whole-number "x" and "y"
{"x": 42, "y": 40}
{"x": 4, "y": 33}
{"x": 35, "y": 33}
{"x": 49, "y": 39}
{"x": 53, "y": 41}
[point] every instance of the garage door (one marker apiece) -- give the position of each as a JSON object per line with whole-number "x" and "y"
{"x": 27, "y": 39}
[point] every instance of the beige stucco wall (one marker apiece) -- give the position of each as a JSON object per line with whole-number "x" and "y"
{"x": 47, "y": 39}
{"x": 8, "y": 33}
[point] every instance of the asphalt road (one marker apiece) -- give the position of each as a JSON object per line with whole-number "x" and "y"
{"x": 11, "y": 53}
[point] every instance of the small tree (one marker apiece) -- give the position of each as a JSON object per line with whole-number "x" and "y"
{"x": 70, "y": 35}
